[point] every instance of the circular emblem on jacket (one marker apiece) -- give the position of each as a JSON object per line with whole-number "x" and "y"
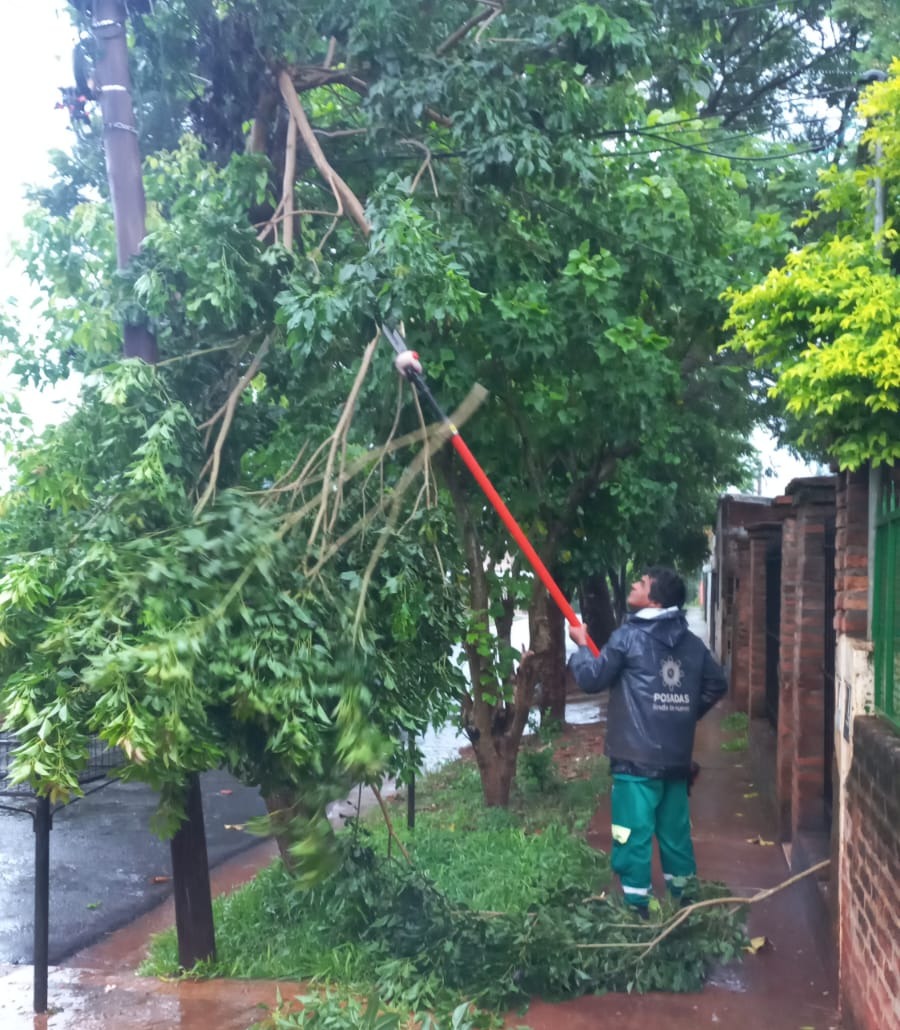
{"x": 671, "y": 672}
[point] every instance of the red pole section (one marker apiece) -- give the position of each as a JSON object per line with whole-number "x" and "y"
{"x": 518, "y": 535}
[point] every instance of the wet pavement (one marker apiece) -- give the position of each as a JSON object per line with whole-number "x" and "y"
{"x": 789, "y": 985}
{"x": 106, "y": 866}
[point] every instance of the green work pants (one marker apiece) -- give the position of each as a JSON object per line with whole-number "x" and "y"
{"x": 643, "y": 807}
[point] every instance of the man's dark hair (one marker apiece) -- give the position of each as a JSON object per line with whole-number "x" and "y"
{"x": 666, "y": 587}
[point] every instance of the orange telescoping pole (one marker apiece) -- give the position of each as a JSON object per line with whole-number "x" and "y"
{"x": 409, "y": 366}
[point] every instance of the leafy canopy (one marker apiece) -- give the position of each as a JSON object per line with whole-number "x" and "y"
{"x": 824, "y": 323}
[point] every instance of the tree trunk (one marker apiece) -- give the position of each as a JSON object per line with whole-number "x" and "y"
{"x": 618, "y": 579}
{"x": 123, "y": 158}
{"x": 282, "y": 806}
{"x": 494, "y": 713}
{"x": 548, "y": 641}
{"x": 497, "y": 750}
{"x": 498, "y": 770}
{"x": 597, "y": 608}
{"x": 190, "y": 882}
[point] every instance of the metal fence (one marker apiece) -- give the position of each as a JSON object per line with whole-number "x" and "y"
{"x": 102, "y": 759}
{"x": 21, "y": 797}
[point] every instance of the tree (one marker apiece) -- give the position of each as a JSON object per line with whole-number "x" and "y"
{"x": 498, "y": 180}
{"x": 824, "y": 322}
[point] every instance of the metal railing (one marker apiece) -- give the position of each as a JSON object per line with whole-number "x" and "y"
{"x": 22, "y": 798}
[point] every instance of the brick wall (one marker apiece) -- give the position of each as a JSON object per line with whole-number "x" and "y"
{"x": 851, "y": 544}
{"x": 734, "y": 514}
{"x": 763, "y": 537}
{"x": 870, "y": 881}
{"x": 740, "y": 637}
{"x": 786, "y": 676}
{"x": 815, "y": 511}
{"x": 800, "y": 773}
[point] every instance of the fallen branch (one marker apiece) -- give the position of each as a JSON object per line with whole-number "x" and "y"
{"x": 678, "y": 919}
{"x": 426, "y": 164}
{"x": 339, "y": 441}
{"x": 498, "y": 10}
{"x": 271, "y": 224}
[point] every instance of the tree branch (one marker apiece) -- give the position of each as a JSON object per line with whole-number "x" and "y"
{"x": 492, "y": 9}
{"x": 287, "y": 189}
{"x": 349, "y": 201}
{"x": 390, "y": 826}
{"x": 678, "y": 919}
{"x": 227, "y": 413}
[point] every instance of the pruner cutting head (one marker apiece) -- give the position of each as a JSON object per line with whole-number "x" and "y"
{"x": 407, "y": 361}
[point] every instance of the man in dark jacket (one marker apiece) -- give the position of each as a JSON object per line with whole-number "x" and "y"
{"x": 661, "y": 679}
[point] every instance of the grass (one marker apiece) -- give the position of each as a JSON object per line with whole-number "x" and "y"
{"x": 498, "y": 906}
{"x": 488, "y": 859}
{"x": 737, "y": 723}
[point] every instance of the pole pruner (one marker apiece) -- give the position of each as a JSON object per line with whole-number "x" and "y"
{"x": 409, "y": 366}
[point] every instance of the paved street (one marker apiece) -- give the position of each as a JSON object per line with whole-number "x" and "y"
{"x": 103, "y": 862}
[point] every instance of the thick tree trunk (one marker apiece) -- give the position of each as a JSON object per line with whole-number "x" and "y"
{"x": 497, "y": 766}
{"x": 497, "y": 749}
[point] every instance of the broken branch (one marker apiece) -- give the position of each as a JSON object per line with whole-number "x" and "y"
{"x": 349, "y": 201}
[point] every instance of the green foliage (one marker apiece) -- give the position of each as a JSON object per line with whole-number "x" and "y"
{"x": 737, "y": 724}
{"x": 823, "y": 324}
{"x": 195, "y": 640}
{"x": 495, "y": 909}
{"x": 339, "y": 1010}
{"x": 385, "y": 925}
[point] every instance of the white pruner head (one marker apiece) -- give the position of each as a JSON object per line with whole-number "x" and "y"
{"x": 407, "y": 363}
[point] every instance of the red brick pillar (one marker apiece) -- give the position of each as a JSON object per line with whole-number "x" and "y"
{"x": 740, "y": 663}
{"x": 786, "y": 675}
{"x": 762, "y": 537}
{"x": 814, "y": 501}
{"x": 851, "y": 544}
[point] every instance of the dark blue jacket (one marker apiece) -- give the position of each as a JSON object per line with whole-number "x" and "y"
{"x": 661, "y": 679}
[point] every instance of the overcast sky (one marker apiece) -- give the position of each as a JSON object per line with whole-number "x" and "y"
{"x": 35, "y": 59}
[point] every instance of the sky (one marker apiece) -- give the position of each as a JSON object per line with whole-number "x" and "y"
{"x": 35, "y": 59}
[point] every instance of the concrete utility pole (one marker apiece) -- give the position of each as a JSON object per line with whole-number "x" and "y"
{"x": 190, "y": 864}
{"x": 123, "y": 158}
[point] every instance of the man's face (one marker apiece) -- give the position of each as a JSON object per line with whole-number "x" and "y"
{"x": 640, "y": 594}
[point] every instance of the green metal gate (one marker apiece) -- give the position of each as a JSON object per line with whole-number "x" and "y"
{"x": 886, "y": 613}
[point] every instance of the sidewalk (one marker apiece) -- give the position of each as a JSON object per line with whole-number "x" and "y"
{"x": 788, "y": 986}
